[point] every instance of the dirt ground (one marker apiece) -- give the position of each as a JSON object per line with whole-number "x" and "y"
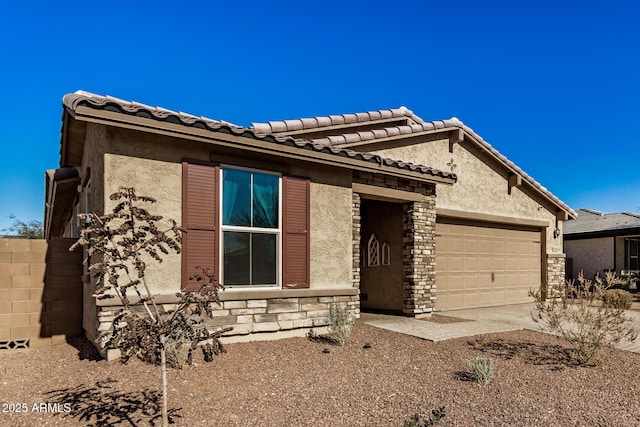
{"x": 296, "y": 382}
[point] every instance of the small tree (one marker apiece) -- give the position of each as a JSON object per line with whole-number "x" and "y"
{"x": 578, "y": 315}
{"x": 119, "y": 247}
{"x": 27, "y": 230}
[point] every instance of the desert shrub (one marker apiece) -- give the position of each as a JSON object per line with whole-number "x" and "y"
{"x": 340, "y": 325}
{"x": 481, "y": 369}
{"x": 120, "y": 247}
{"x": 628, "y": 281}
{"x": 578, "y": 315}
{"x": 436, "y": 415}
{"x": 27, "y": 230}
{"x": 617, "y": 298}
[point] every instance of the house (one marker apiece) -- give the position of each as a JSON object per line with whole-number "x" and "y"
{"x": 379, "y": 211}
{"x": 596, "y": 242}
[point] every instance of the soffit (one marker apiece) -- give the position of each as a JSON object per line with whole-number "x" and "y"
{"x": 61, "y": 192}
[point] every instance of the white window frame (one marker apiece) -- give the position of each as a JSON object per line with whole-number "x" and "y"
{"x": 223, "y": 228}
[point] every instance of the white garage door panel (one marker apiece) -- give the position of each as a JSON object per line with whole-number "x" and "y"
{"x": 483, "y": 264}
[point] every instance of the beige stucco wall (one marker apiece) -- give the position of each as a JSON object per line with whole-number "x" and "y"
{"x": 619, "y": 250}
{"x": 94, "y": 148}
{"x": 481, "y": 186}
{"x": 135, "y": 160}
{"x": 331, "y": 245}
{"x": 590, "y": 256}
{"x": 162, "y": 181}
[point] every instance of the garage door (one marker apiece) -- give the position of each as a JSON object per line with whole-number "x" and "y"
{"x": 484, "y": 264}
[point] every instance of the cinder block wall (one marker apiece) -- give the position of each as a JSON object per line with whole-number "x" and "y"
{"x": 40, "y": 292}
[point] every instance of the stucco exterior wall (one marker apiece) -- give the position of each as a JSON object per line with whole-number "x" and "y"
{"x": 94, "y": 149}
{"x": 331, "y": 242}
{"x": 152, "y": 164}
{"x": 162, "y": 181}
{"x": 590, "y": 256}
{"x": 135, "y": 160}
{"x": 481, "y": 186}
{"x": 619, "y": 250}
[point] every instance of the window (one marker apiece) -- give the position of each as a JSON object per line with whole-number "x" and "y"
{"x": 386, "y": 254}
{"x": 373, "y": 259}
{"x": 250, "y": 227}
{"x": 631, "y": 248}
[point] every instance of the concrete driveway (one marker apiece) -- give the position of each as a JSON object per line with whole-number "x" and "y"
{"x": 479, "y": 321}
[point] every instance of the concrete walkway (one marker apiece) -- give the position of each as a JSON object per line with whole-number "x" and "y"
{"x": 480, "y": 321}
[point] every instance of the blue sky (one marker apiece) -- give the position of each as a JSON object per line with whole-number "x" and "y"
{"x": 552, "y": 85}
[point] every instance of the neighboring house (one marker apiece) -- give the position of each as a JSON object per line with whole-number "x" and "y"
{"x": 596, "y": 242}
{"x": 294, "y": 215}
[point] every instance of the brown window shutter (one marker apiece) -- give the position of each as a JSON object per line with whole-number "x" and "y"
{"x": 295, "y": 235}
{"x": 200, "y": 195}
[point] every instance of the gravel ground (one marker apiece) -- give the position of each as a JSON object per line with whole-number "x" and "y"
{"x": 293, "y": 382}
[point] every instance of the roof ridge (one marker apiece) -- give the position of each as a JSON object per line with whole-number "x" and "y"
{"x": 387, "y": 132}
{"x": 318, "y": 122}
{"x": 592, "y": 211}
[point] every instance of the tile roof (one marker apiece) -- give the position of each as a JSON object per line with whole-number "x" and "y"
{"x": 388, "y": 132}
{"x": 278, "y": 126}
{"x": 590, "y": 221}
{"x": 108, "y": 103}
{"x": 111, "y": 103}
{"x": 418, "y": 125}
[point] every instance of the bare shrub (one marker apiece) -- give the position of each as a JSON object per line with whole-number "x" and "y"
{"x": 481, "y": 369}
{"x": 436, "y": 415}
{"x": 617, "y": 298}
{"x": 119, "y": 247}
{"x": 340, "y": 323}
{"x": 578, "y": 315}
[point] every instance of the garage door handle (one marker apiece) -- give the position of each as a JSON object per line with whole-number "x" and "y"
{"x": 493, "y": 276}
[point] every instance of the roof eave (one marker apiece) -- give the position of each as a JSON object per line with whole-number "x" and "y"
{"x": 225, "y": 137}
{"x": 452, "y": 132}
{"x": 617, "y": 232}
{"x": 61, "y": 190}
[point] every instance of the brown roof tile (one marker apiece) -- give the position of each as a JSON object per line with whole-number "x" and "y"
{"x": 86, "y": 99}
{"x": 279, "y": 126}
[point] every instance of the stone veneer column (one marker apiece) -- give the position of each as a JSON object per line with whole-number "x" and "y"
{"x": 355, "y": 214}
{"x": 555, "y": 264}
{"x": 419, "y": 257}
